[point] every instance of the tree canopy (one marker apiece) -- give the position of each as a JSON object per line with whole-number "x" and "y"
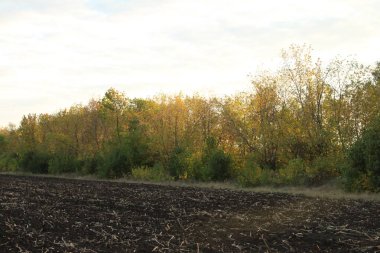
{"x": 305, "y": 122}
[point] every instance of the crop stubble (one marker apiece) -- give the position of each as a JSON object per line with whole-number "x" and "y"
{"x": 61, "y": 215}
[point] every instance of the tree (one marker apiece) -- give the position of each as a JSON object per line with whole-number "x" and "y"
{"x": 376, "y": 73}
{"x": 239, "y": 130}
{"x": 116, "y": 103}
{"x": 347, "y": 80}
{"x": 2, "y": 143}
{"x": 309, "y": 90}
{"x": 29, "y": 131}
{"x": 365, "y": 159}
{"x": 265, "y": 105}
{"x": 218, "y": 162}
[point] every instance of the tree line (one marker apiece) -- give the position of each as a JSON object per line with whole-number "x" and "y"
{"x": 302, "y": 124}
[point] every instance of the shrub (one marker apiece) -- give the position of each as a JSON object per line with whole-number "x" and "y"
{"x": 121, "y": 157}
{"x": 35, "y": 162}
{"x": 214, "y": 164}
{"x": 114, "y": 163}
{"x": 295, "y": 173}
{"x": 253, "y": 175}
{"x": 250, "y": 177}
{"x": 198, "y": 170}
{"x": 8, "y": 162}
{"x": 364, "y": 155}
{"x": 63, "y": 163}
{"x": 324, "y": 168}
{"x": 219, "y": 164}
{"x": 355, "y": 181}
{"x": 178, "y": 163}
{"x": 2, "y": 143}
{"x": 156, "y": 173}
{"x": 91, "y": 164}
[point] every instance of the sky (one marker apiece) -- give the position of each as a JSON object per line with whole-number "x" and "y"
{"x": 54, "y": 53}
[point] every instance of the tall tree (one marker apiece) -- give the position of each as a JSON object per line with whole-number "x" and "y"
{"x": 308, "y": 89}
{"x": 116, "y": 102}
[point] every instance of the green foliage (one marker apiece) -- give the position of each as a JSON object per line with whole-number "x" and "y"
{"x": 376, "y": 73}
{"x": 156, "y": 173}
{"x": 198, "y": 170}
{"x": 136, "y": 145}
{"x": 220, "y": 165}
{"x": 296, "y": 137}
{"x": 114, "y": 100}
{"x": 364, "y": 173}
{"x": 251, "y": 174}
{"x": 324, "y": 168}
{"x": 354, "y": 180}
{"x": 62, "y": 163}
{"x": 2, "y": 143}
{"x": 295, "y": 173}
{"x": 8, "y": 162}
{"x": 115, "y": 162}
{"x": 91, "y": 164}
{"x": 35, "y": 162}
{"x": 178, "y": 163}
{"x": 255, "y": 176}
{"x": 132, "y": 151}
{"x": 215, "y": 164}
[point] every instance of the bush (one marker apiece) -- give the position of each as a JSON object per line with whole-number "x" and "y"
{"x": 178, "y": 164}
{"x": 255, "y": 176}
{"x": 157, "y": 173}
{"x": 356, "y": 181}
{"x": 324, "y": 168}
{"x": 364, "y": 155}
{"x": 295, "y": 173}
{"x": 252, "y": 174}
{"x": 219, "y": 164}
{"x": 91, "y": 164}
{"x": 214, "y": 163}
{"x": 198, "y": 170}
{"x": 8, "y": 162}
{"x": 35, "y": 162}
{"x": 61, "y": 163}
{"x": 2, "y": 143}
{"x": 115, "y": 163}
{"x": 132, "y": 151}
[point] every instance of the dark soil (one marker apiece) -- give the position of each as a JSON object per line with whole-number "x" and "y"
{"x": 60, "y": 215}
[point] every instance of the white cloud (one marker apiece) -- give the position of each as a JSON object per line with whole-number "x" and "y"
{"x": 57, "y": 53}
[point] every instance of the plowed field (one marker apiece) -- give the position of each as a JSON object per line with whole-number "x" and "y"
{"x": 60, "y": 215}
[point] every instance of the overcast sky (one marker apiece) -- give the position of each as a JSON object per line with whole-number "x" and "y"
{"x": 55, "y": 53}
